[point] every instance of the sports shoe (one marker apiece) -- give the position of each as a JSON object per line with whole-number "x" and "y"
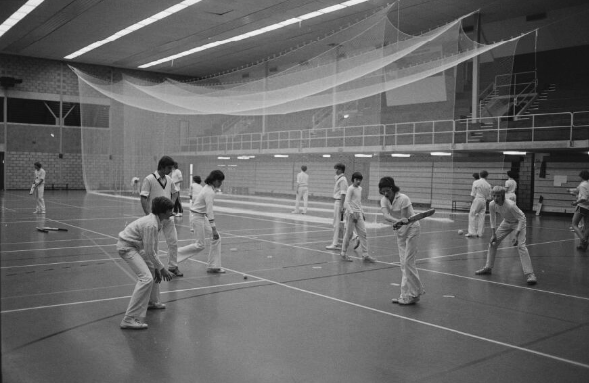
{"x": 369, "y": 259}
{"x": 333, "y": 247}
{"x": 346, "y": 258}
{"x": 468, "y": 235}
{"x": 216, "y": 271}
{"x": 133, "y": 324}
{"x": 484, "y": 271}
{"x": 583, "y": 245}
{"x": 156, "y": 306}
{"x": 531, "y": 279}
{"x": 176, "y": 271}
{"x": 404, "y": 302}
{"x": 294, "y": 212}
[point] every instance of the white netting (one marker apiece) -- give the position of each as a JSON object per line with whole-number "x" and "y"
{"x": 353, "y": 79}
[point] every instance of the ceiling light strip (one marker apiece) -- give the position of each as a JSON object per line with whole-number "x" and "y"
{"x": 20, "y": 14}
{"x": 143, "y": 23}
{"x": 260, "y": 31}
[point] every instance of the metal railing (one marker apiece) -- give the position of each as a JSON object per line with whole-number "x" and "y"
{"x": 545, "y": 127}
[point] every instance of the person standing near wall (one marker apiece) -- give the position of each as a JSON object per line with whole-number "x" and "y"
{"x": 582, "y": 210}
{"x": 480, "y": 193}
{"x": 39, "y": 188}
{"x": 135, "y": 185}
{"x": 302, "y": 190}
{"x": 339, "y": 194}
{"x": 159, "y": 184}
{"x": 510, "y": 186}
{"x": 177, "y": 179}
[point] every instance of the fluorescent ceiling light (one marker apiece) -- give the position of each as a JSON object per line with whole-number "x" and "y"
{"x": 400, "y": 155}
{"x": 223, "y": 158}
{"x": 245, "y": 157}
{"x": 260, "y": 31}
{"x": 281, "y": 155}
{"x": 145, "y": 22}
{"x": 231, "y": 165}
{"x": 515, "y": 153}
{"x": 440, "y": 154}
{"x": 363, "y": 155}
{"x": 20, "y": 14}
{"x": 327, "y": 156}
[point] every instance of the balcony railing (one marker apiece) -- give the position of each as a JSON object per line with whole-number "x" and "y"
{"x": 533, "y": 128}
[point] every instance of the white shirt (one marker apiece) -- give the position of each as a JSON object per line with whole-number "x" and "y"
{"x": 583, "y": 189}
{"x": 510, "y": 186}
{"x": 194, "y": 190}
{"x": 481, "y": 189}
{"x": 142, "y": 234}
{"x": 177, "y": 176}
{"x": 510, "y": 213}
{"x": 340, "y": 187}
{"x": 353, "y": 202}
{"x": 39, "y": 176}
{"x": 395, "y": 210}
{"x": 302, "y": 179}
{"x": 154, "y": 186}
{"x": 203, "y": 203}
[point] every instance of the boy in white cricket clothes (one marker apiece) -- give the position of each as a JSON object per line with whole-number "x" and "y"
{"x": 302, "y": 190}
{"x": 177, "y": 179}
{"x": 480, "y": 193}
{"x": 159, "y": 184}
{"x": 202, "y": 221}
{"x": 582, "y": 210}
{"x": 39, "y": 191}
{"x": 397, "y": 207}
{"x": 355, "y": 219}
{"x": 513, "y": 219}
{"x": 510, "y": 186}
{"x": 137, "y": 245}
{"x": 339, "y": 194}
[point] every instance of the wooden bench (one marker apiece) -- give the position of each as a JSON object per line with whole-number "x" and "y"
{"x": 55, "y": 186}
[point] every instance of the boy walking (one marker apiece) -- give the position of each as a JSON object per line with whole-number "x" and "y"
{"x": 355, "y": 219}
{"x": 302, "y": 190}
{"x": 339, "y": 194}
{"x": 480, "y": 193}
{"x": 138, "y": 246}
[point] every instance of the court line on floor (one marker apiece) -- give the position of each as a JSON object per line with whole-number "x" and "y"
{"x": 124, "y": 297}
{"x": 504, "y": 344}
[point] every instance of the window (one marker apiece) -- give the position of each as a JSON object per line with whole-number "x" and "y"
{"x": 25, "y": 111}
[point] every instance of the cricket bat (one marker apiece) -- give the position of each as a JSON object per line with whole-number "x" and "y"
{"x": 32, "y": 189}
{"x": 42, "y": 230}
{"x": 54, "y": 228}
{"x": 414, "y": 217}
{"x": 539, "y": 205}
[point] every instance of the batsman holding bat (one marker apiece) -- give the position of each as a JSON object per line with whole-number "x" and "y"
{"x": 513, "y": 219}
{"x": 397, "y": 209}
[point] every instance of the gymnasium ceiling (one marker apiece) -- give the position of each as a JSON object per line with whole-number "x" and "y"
{"x": 58, "y": 28}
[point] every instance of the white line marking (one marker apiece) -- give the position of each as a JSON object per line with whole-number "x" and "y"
{"x": 123, "y": 297}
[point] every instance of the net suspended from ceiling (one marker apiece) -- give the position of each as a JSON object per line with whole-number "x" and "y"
{"x": 339, "y": 80}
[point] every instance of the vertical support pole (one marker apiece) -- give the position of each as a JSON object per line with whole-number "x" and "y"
{"x": 475, "y": 71}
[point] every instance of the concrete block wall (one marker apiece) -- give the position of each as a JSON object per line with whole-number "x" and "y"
{"x": 59, "y": 171}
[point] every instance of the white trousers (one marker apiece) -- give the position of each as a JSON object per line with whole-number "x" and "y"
{"x": 476, "y": 217}
{"x": 359, "y": 227}
{"x": 146, "y": 290}
{"x": 39, "y": 193}
{"x": 504, "y": 229}
{"x": 171, "y": 237}
{"x": 411, "y": 287}
{"x": 202, "y": 229}
{"x": 338, "y": 225}
{"x": 304, "y": 193}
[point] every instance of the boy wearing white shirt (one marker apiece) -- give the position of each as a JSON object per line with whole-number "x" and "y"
{"x": 159, "y": 184}
{"x": 138, "y": 246}
{"x": 510, "y": 186}
{"x": 513, "y": 219}
{"x": 177, "y": 179}
{"x": 202, "y": 222}
{"x": 480, "y": 193}
{"x": 339, "y": 194}
{"x": 302, "y": 190}
{"x": 39, "y": 188}
{"x": 355, "y": 219}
